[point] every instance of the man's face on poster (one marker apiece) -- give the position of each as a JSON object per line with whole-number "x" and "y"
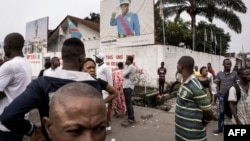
{"x": 124, "y": 9}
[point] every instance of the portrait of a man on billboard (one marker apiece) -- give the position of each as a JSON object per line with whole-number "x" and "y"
{"x": 127, "y": 22}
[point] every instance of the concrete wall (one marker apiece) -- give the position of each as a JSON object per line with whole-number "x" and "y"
{"x": 148, "y": 59}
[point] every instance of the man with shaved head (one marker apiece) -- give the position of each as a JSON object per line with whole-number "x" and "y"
{"x": 77, "y": 112}
{"x": 15, "y": 75}
{"x": 38, "y": 92}
{"x": 193, "y": 110}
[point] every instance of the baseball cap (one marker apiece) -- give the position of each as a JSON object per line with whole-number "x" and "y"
{"x": 100, "y": 55}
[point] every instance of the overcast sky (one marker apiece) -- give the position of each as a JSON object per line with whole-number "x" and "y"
{"x": 14, "y": 15}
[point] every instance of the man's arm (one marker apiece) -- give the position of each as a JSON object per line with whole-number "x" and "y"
{"x": 202, "y": 100}
{"x": 136, "y": 25}
{"x": 6, "y": 75}
{"x": 112, "y": 93}
{"x": 127, "y": 71}
{"x": 113, "y": 20}
{"x": 207, "y": 116}
{"x": 217, "y": 81}
{"x": 13, "y": 115}
{"x": 109, "y": 76}
{"x": 232, "y": 98}
{"x": 233, "y": 108}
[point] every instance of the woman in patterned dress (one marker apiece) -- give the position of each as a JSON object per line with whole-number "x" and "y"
{"x": 118, "y": 103}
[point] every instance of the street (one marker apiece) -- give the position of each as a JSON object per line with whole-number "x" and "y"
{"x": 160, "y": 127}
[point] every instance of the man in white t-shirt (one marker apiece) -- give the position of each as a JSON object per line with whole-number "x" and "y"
{"x": 55, "y": 64}
{"x": 104, "y": 72}
{"x": 240, "y": 107}
{"x": 15, "y": 75}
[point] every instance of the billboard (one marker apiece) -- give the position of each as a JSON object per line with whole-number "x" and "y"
{"x": 127, "y": 23}
{"x": 36, "y": 36}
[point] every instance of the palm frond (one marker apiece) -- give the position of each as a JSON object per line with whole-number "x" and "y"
{"x": 175, "y": 1}
{"x": 228, "y": 17}
{"x": 173, "y": 10}
{"x": 236, "y": 5}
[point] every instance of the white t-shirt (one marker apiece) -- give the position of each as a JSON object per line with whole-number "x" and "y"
{"x": 49, "y": 71}
{"x": 105, "y": 73}
{"x": 243, "y": 105}
{"x": 210, "y": 76}
{"x": 15, "y": 75}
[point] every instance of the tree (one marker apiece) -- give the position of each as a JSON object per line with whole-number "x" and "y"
{"x": 211, "y": 46}
{"x": 94, "y": 17}
{"x": 210, "y": 9}
{"x": 178, "y": 32}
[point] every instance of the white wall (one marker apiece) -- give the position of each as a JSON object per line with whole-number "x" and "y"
{"x": 148, "y": 59}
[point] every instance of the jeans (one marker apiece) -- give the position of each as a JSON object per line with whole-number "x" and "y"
{"x": 221, "y": 112}
{"x": 161, "y": 85}
{"x": 9, "y": 136}
{"x": 127, "y": 93}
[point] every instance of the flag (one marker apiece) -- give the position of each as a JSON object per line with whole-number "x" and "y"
{"x": 61, "y": 31}
{"x": 212, "y": 36}
{"x": 215, "y": 41}
{"x": 73, "y": 30}
{"x": 161, "y": 10}
{"x": 205, "y": 35}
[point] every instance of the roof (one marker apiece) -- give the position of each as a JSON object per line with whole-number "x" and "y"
{"x": 92, "y": 25}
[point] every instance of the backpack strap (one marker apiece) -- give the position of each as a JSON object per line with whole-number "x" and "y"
{"x": 238, "y": 91}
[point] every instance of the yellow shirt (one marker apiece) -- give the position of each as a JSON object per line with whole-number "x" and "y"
{"x": 196, "y": 74}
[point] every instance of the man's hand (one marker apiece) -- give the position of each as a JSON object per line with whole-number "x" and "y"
{"x": 37, "y": 135}
{"x": 207, "y": 116}
{"x": 113, "y": 15}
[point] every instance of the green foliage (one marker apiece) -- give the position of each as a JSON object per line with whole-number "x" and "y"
{"x": 210, "y": 9}
{"x": 177, "y": 32}
{"x": 94, "y": 17}
{"x": 210, "y": 46}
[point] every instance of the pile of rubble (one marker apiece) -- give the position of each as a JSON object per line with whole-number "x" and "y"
{"x": 150, "y": 97}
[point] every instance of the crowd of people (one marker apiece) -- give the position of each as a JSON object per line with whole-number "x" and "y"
{"x": 200, "y": 89}
{"x": 48, "y": 92}
{"x": 75, "y": 102}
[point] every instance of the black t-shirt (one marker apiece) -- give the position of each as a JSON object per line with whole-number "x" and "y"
{"x": 102, "y": 83}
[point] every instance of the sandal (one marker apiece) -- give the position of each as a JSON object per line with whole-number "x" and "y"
{"x": 130, "y": 121}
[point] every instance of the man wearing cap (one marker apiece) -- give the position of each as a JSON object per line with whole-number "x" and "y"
{"x": 127, "y": 22}
{"x": 104, "y": 73}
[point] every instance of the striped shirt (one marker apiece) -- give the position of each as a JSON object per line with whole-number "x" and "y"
{"x": 243, "y": 105}
{"x": 190, "y": 102}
